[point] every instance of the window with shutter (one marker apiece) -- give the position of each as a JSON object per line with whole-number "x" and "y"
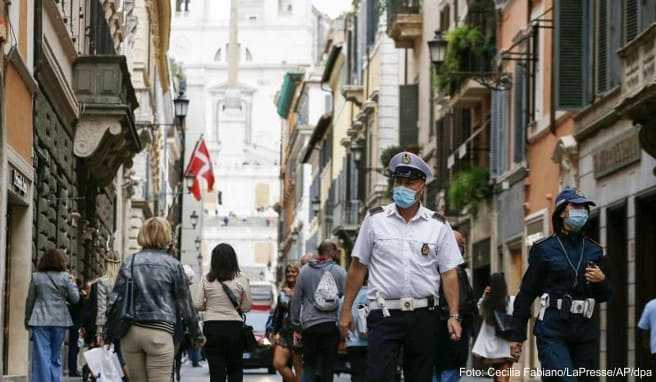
{"x": 631, "y": 19}
{"x": 602, "y": 46}
{"x": 570, "y": 53}
{"x": 519, "y": 106}
{"x": 408, "y": 115}
{"x": 647, "y": 13}
{"x": 372, "y": 21}
{"x": 499, "y": 130}
{"x": 615, "y": 36}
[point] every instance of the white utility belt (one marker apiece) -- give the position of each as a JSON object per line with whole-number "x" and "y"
{"x": 405, "y": 304}
{"x": 583, "y": 307}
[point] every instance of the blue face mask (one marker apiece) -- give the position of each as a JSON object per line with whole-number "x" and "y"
{"x": 404, "y": 197}
{"x": 576, "y": 219}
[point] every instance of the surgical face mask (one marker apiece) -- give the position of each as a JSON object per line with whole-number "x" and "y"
{"x": 404, "y": 197}
{"x": 576, "y": 219}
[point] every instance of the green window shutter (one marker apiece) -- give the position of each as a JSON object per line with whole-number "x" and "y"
{"x": 615, "y": 34}
{"x": 570, "y": 54}
{"x": 602, "y": 46}
{"x": 519, "y": 106}
{"x": 631, "y": 19}
{"x": 408, "y": 115}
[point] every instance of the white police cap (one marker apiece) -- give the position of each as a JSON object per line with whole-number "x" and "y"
{"x": 409, "y": 165}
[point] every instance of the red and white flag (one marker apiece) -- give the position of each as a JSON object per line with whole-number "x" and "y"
{"x": 200, "y": 167}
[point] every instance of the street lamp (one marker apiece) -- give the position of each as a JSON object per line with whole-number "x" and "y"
{"x": 181, "y": 103}
{"x": 356, "y": 149}
{"x": 194, "y": 219}
{"x": 437, "y": 48}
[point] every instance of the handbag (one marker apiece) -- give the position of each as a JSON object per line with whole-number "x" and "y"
{"x": 502, "y": 325}
{"x": 104, "y": 364}
{"x": 248, "y": 338}
{"x": 120, "y": 315}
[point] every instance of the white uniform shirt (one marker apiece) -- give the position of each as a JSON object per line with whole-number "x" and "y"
{"x": 392, "y": 250}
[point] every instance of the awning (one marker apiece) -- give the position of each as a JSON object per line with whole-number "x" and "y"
{"x": 319, "y": 130}
{"x": 330, "y": 62}
{"x": 287, "y": 92}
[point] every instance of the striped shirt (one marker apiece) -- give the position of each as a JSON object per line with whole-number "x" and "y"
{"x": 157, "y": 325}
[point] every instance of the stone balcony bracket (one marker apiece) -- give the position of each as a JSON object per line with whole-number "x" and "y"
{"x": 405, "y": 29}
{"x": 106, "y": 136}
{"x": 353, "y": 93}
{"x": 638, "y": 94}
{"x": 369, "y": 107}
{"x": 470, "y": 94}
{"x": 345, "y": 142}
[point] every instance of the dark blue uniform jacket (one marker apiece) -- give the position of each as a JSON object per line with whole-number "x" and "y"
{"x": 550, "y": 272}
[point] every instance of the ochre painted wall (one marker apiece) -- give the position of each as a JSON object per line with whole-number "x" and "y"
{"x": 18, "y": 115}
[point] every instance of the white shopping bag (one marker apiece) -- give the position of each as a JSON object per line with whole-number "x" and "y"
{"x": 104, "y": 364}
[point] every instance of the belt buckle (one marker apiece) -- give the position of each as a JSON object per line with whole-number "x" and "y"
{"x": 578, "y": 307}
{"x": 407, "y": 304}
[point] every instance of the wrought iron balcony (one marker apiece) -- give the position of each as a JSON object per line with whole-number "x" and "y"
{"x": 638, "y": 93}
{"x": 404, "y": 22}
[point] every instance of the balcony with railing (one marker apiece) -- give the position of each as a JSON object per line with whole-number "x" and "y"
{"x": 638, "y": 92}
{"x": 404, "y": 22}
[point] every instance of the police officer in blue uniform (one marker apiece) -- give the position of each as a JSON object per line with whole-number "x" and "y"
{"x": 564, "y": 272}
{"x": 407, "y": 250}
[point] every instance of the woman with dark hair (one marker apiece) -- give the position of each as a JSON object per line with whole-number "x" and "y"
{"x": 47, "y": 315}
{"x": 218, "y": 293}
{"x": 494, "y": 350}
{"x": 283, "y": 332}
{"x": 564, "y": 271}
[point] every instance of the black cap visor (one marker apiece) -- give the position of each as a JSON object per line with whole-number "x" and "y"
{"x": 409, "y": 173}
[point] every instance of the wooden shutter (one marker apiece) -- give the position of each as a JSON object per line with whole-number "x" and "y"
{"x": 631, "y": 19}
{"x": 409, "y": 115}
{"x": 647, "y": 13}
{"x": 499, "y": 127}
{"x": 570, "y": 54}
{"x": 615, "y": 34}
{"x": 519, "y": 107}
{"x": 603, "y": 41}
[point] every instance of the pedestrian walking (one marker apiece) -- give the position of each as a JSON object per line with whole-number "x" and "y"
{"x": 158, "y": 297}
{"x": 356, "y": 339}
{"x": 451, "y": 356}
{"x": 224, "y": 294}
{"x": 647, "y": 324}
{"x": 184, "y": 342}
{"x": 407, "y": 249}
{"x": 564, "y": 271}
{"x": 51, "y": 291}
{"x": 315, "y": 305}
{"x": 285, "y": 356}
{"x": 74, "y": 331}
{"x": 490, "y": 346}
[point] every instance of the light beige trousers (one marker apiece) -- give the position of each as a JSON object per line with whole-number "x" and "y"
{"x": 148, "y": 354}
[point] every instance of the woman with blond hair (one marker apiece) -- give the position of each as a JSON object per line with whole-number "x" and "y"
{"x": 284, "y": 350}
{"x": 158, "y": 297}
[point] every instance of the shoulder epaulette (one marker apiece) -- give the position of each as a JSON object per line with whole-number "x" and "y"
{"x": 376, "y": 210}
{"x": 440, "y": 217}
{"x": 542, "y": 240}
{"x": 594, "y": 242}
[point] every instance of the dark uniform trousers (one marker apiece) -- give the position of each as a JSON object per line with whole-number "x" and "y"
{"x": 415, "y": 332}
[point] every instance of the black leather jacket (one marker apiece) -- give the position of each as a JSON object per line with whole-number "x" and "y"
{"x": 161, "y": 292}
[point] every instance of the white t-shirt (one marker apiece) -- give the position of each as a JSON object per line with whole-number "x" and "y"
{"x": 487, "y": 344}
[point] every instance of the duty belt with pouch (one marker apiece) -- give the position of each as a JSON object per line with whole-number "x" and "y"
{"x": 404, "y": 304}
{"x": 566, "y": 306}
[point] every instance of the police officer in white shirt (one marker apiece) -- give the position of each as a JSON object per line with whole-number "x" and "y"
{"x": 406, "y": 248}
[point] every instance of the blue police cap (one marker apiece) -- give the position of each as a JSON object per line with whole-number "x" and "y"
{"x": 572, "y": 195}
{"x": 409, "y": 165}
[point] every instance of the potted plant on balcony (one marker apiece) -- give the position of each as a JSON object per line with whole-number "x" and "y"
{"x": 468, "y": 53}
{"x": 468, "y": 189}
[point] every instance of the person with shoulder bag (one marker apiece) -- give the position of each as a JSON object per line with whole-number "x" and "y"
{"x": 493, "y": 341}
{"x": 151, "y": 295}
{"x": 225, "y": 296}
{"x": 47, "y": 315}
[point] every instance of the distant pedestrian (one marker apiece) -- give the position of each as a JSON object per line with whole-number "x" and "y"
{"x": 493, "y": 349}
{"x": 284, "y": 353}
{"x": 356, "y": 339}
{"x": 408, "y": 251}
{"x": 451, "y": 356}
{"x": 648, "y": 324}
{"x": 74, "y": 331}
{"x": 224, "y": 294}
{"x": 46, "y": 314}
{"x": 315, "y": 305}
{"x": 565, "y": 272}
{"x": 161, "y": 297}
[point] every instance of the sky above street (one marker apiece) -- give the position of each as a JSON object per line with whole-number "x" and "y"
{"x": 333, "y": 8}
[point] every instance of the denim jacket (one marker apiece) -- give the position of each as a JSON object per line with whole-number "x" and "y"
{"x": 161, "y": 292}
{"x": 47, "y": 299}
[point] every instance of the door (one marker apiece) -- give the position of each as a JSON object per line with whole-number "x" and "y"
{"x": 593, "y": 233}
{"x": 7, "y": 295}
{"x": 616, "y": 239}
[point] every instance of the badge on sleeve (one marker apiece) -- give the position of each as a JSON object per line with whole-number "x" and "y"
{"x": 425, "y": 249}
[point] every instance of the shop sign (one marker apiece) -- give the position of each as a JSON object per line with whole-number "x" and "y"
{"x": 19, "y": 183}
{"x": 617, "y": 154}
